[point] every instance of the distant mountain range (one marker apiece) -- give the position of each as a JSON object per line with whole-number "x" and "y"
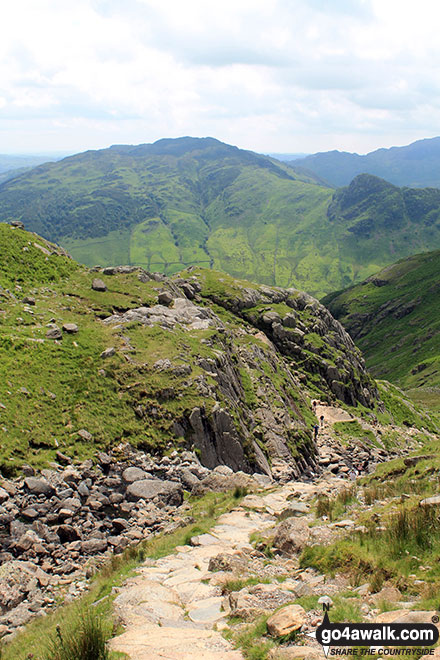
{"x": 416, "y": 165}
{"x": 198, "y": 201}
{"x": 286, "y": 157}
{"x": 10, "y": 162}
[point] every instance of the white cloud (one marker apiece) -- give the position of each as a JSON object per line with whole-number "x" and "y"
{"x": 281, "y": 75}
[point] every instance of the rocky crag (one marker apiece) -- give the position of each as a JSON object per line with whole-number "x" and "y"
{"x": 198, "y": 361}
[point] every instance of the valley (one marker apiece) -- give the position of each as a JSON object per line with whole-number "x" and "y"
{"x": 191, "y": 201}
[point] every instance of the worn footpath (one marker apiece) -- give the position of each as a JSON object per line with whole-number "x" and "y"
{"x": 174, "y": 608}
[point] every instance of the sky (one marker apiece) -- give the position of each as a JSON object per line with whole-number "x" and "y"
{"x": 267, "y": 75}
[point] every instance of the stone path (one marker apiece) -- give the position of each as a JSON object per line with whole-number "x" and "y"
{"x": 333, "y": 414}
{"x": 174, "y": 609}
{"x": 169, "y": 610}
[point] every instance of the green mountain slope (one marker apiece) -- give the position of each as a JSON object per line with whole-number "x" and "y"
{"x": 416, "y": 165}
{"x": 394, "y": 318}
{"x": 220, "y": 364}
{"x": 192, "y": 201}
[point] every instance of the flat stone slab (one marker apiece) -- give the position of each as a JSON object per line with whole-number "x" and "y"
{"x": 203, "y": 553}
{"x": 253, "y": 502}
{"x": 191, "y": 592}
{"x": 204, "y": 539}
{"x": 389, "y": 617}
{"x": 167, "y": 643}
{"x": 207, "y": 610}
{"x": 147, "y": 601}
{"x": 186, "y": 575}
{"x": 170, "y": 563}
{"x": 297, "y": 653}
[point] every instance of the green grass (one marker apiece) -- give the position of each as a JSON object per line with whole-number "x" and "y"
{"x": 397, "y": 325}
{"x": 24, "y": 264}
{"x": 401, "y": 410}
{"x": 400, "y": 535}
{"x": 251, "y": 639}
{"x": 83, "y": 638}
{"x": 408, "y": 537}
{"x": 335, "y": 507}
{"x": 347, "y": 431}
{"x": 113, "y": 248}
{"x": 236, "y": 584}
{"x": 65, "y": 389}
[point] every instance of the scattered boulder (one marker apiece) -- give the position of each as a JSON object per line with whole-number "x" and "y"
{"x": 67, "y": 533}
{"x": 104, "y": 459}
{"x": 189, "y": 479}
{"x": 54, "y": 333}
{"x": 218, "y": 482}
{"x": 291, "y": 536}
{"x": 286, "y": 620}
{"x": 170, "y": 492}
{"x": 132, "y": 474}
{"x": 39, "y": 486}
{"x": 165, "y": 298}
{"x": 250, "y": 602}
{"x": 85, "y": 435}
{"x": 70, "y": 328}
{"x": 431, "y": 501}
{"x": 108, "y": 352}
{"x": 387, "y": 594}
{"x": 62, "y": 458}
{"x": 228, "y": 562}
{"x": 92, "y": 546}
{"x": 99, "y": 285}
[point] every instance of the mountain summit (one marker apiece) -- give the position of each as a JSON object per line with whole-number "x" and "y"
{"x": 199, "y": 202}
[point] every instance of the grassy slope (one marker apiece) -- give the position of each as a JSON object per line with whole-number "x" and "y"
{"x": 398, "y": 540}
{"x": 50, "y": 390}
{"x": 396, "y": 343}
{"x": 64, "y": 387}
{"x": 180, "y": 202}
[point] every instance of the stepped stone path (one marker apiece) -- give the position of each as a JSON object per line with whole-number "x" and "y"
{"x": 174, "y": 609}
{"x": 169, "y": 610}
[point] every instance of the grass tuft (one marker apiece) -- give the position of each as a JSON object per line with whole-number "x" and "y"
{"x": 83, "y": 639}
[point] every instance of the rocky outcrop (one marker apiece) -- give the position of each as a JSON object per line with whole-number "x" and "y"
{"x": 307, "y": 334}
{"x": 299, "y": 338}
{"x": 183, "y": 312}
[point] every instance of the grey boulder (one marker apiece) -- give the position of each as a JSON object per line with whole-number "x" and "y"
{"x": 39, "y": 486}
{"x": 170, "y": 492}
